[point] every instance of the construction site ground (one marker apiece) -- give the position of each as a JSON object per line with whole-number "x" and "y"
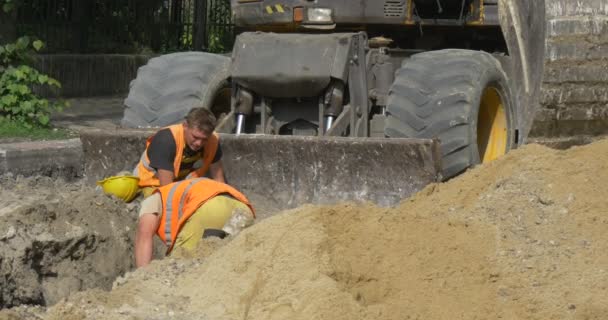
{"x": 523, "y": 237}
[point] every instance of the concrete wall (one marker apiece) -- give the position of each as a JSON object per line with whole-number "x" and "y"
{"x": 575, "y": 88}
{"x": 90, "y": 75}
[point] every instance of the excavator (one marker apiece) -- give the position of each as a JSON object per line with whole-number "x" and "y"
{"x": 325, "y": 100}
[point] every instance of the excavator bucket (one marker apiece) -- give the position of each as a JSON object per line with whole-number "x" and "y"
{"x": 286, "y": 171}
{"x": 291, "y": 170}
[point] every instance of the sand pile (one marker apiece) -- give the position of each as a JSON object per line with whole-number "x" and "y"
{"x": 522, "y": 238}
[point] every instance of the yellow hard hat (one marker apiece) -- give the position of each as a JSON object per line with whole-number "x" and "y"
{"x": 124, "y": 187}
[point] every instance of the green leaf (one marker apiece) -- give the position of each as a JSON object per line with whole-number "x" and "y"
{"x": 53, "y": 82}
{"x": 42, "y": 79}
{"x": 13, "y": 88}
{"x": 7, "y": 7}
{"x": 23, "y": 89}
{"x": 26, "y": 106}
{"x": 8, "y": 99}
{"x": 43, "y": 119}
{"x": 38, "y": 45}
{"x": 19, "y": 74}
{"x": 23, "y": 42}
{"x": 10, "y": 48}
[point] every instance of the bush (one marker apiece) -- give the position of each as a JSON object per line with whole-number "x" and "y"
{"x": 18, "y": 102}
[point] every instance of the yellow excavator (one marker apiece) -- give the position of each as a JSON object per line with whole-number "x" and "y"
{"x": 328, "y": 100}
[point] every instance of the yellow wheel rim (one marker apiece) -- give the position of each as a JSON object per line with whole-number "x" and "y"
{"x": 492, "y": 134}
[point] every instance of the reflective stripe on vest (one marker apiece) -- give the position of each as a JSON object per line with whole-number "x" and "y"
{"x": 182, "y": 199}
{"x": 180, "y": 210}
{"x": 144, "y": 161}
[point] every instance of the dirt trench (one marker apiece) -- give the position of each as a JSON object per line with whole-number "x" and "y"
{"x": 57, "y": 238}
{"x": 521, "y": 238}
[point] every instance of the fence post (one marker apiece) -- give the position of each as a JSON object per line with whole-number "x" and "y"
{"x": 81, "y": 19}
{"x": 200, "y": 24}
{"x": 8, "y": 30}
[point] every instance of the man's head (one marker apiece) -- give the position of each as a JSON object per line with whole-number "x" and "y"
{"x": 198, "y": 126}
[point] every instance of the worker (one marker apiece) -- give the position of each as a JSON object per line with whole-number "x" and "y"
{"x": 173, "y": 153}
{"x": 184, "y": 212}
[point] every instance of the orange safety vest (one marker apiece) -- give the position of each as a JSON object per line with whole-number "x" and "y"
{"x": 181, "y": 199}
{"x": 147, "y": 175}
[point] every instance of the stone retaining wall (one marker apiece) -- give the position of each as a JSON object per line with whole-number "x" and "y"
{"x": 575, "y": 88}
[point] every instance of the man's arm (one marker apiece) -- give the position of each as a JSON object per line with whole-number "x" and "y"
{"x": 144, "y": 242}
{"x": 164, "y": 176}
{"x": 161, "y": 153}
{"x": 216, "y": 171}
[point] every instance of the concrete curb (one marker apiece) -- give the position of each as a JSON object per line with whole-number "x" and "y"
{"x": 60, "y": 158}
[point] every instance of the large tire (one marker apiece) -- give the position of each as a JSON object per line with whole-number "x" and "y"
{"x": 439, "y": 94}
{"x": 170, "y": 85}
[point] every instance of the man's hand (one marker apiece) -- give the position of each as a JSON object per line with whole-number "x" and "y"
{"x": 148, "y": 224}
{"x": 164, "y": 176}
{"x": 216, "y": 170}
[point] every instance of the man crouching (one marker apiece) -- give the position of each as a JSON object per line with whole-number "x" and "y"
{"x": 182, "y": 213}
